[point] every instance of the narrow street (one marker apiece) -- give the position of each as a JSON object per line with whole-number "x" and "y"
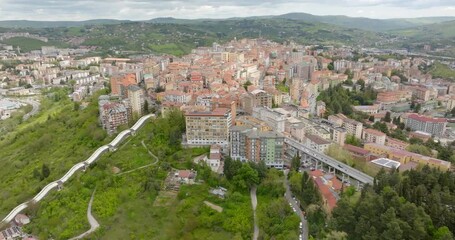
{"x": 295, "y": 205}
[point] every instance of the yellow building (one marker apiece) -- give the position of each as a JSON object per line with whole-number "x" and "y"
{"x": 404, "y": 157}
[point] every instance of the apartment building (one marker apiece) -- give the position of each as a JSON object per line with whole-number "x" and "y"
{"x": 137, "y": 100}
{"x": 274, "y": 119}
{"x": 393, "y": 96}
{"x": 434, "y": 126}
{"x": 120, "y": 82}
{"x": 374, "y": 136}
{"x": 352, "y": 126}
{"x": 207, "y": 128}
{"x": 256, "y": 98}
{"x": 317, "y": 143}
{"x": 395, "y": 143}
{"x": 338, "y": 135}
{"x": 112, "y": 114}
{"x": 250, "y": 144}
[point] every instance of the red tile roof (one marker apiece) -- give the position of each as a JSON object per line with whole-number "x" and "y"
{"x": 356, "y": 150}
{"x": 426, "y": 119}
{"x": 326, "y": 194}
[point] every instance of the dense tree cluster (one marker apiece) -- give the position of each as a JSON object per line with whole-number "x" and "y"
{"x": 306, "y": 192}
{"x": 414, "y": 205}
{"x": 276, "y": 219}
{"x": 341, "y": 100}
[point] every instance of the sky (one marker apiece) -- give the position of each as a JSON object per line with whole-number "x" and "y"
{"x": 76, "y": 10}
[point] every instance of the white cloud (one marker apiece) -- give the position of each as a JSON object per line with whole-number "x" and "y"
{"x": 145, "y": 9}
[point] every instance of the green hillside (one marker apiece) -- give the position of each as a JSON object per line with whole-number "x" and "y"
{"x": 443, "y": 33}
{"x": 29, "y": 44}
{"x": 179, "y": 39}
{"x": 368, "y": 24}
{"x": 54, "y": 24}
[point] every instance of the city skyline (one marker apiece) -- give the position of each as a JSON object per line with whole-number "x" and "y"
{"x": 77, "y": 10}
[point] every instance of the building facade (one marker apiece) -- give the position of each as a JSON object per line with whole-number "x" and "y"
{"x": 250, "y": 144}
{"x": 434, "y": 126}
{"x": 136, "y": 97}
{"x": 207, "y": 128}
{"x": 374, "y": 136}
{"x": 113, "y": 115}
{"x": 317, "y": 143}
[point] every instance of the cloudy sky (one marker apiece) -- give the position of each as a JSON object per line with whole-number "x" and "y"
{"x": 73, "y": 10}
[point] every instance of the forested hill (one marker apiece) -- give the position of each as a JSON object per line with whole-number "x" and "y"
{"x": 412, "y": 205}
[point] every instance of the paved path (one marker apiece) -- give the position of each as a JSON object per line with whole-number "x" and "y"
{"x": 35, "y": 108}
{"x": 296, "y": 206}
{"x": 145, "y": 166}
{"x": 254, "y": 203}
{"x": 93, "y": 223}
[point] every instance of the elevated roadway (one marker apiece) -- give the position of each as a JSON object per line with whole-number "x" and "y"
{"x": 78, "y": 166}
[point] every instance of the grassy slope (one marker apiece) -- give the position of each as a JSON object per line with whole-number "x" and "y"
{"x": 439, "y": 33}
{"x": 29, "y": 44}
{"x": 72, "y": 137}
{"x": 439, "y": 70}
{"x": 124, "y": 203}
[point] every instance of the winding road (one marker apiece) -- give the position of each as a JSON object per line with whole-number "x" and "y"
{"x": 145, "y": 166}
{"x": 93, "y": 223}
{"x": 34, "y": 111}
{"x": 254, "y": 203}
{"x": 112, "y": 146}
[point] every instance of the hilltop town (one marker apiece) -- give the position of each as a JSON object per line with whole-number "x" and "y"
{"x": 337, "y": 115}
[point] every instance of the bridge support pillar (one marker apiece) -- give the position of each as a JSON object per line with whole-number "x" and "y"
{"x": 112, "y": 148}
{"x": 133, "y": 133}
{"x": 358, "y": 187}
{"x": 318, "y": 165}
{"x": 85, "y": 167}
{"x": 59, "y": 186}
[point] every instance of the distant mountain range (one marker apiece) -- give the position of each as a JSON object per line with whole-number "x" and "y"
{"x": 377, "y": 25}
{"x": 179, "y": 36}
{"x": 369, "y": 24}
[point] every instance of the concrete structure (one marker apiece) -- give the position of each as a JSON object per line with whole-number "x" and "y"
{"x": 369, "y": 109}
{"x": 214, "y": 159}
{"x": 338, "y": 135}
{"x": 352, "y": 126}
{"x": 358, "y": 152}
{"x": 274, "y": 119}
{"x": 207, "y": 128}
{"x": 136, "y": 97}
{"x": 434, "y": 126}
{"x": 374, "y": 136}
{"x": 319, "y": 160}
{"x": 79, "y": 166}
{"x": 248, "y": 144}
{"x": 112, "y": 115}
{"x": 119, "y": 83}
{"x": 316, "y": 143}
{"x": 395, "y": 143}
{"x": 387, "y": 163}
{"x": 256, "y": 98}
{"x": 405, "y": 157}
